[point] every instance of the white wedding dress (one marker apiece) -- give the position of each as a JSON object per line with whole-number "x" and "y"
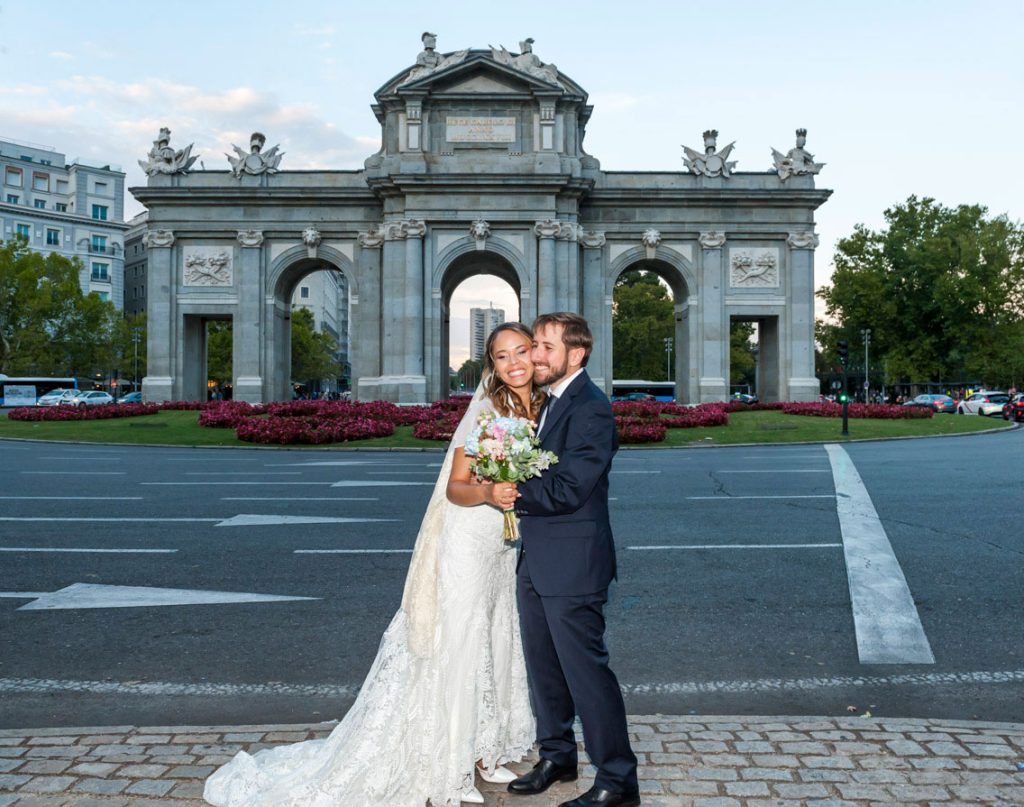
{"x": 447, "y": 688}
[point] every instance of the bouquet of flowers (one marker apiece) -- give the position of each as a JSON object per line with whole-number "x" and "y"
{"x": 504, "y": 449}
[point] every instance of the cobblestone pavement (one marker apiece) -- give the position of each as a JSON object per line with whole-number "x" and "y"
{"x": 693, "y": 760}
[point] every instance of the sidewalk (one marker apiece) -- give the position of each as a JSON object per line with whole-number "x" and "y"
{"x": 691, "y": 760}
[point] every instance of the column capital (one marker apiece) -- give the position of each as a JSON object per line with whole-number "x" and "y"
{"x": 156, "y": 239}
{"x": 712, "y": 239}
{"x": 591, "y": 240}
{"x": 803, "y": 240}
{"x": 415, "y": 228}
{"x": 373, "y": 238}
{"x": 548, "y": 228}
{"x": 250, "y": 238}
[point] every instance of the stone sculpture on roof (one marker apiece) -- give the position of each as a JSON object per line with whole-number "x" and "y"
{"x": 526, "y": 62}
{"x": 712, "y": 163}
{"x": 162, "y": 159}
{"x": 255, "y": 162}
{"x": 430, "y": 61}
{"x": 797, "y": 161}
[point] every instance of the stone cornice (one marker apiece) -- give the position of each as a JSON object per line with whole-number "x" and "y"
{"x": 708, "y": 197}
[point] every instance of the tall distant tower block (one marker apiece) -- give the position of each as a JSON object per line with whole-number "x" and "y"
{"x": 481, "y": 322}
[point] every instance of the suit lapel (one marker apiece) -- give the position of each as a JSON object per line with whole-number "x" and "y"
{"x": 560, "y": 405}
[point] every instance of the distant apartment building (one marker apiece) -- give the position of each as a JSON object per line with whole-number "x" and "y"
{"x": 325, "y": 295}
{"x": 135, "y": 266}
{"x": 481, "y": 322}
{"x": 74, "y": 209}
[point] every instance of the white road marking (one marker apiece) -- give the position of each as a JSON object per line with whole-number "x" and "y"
{"x": 353, "y": 551}
{"x": 334, "y": 691}
{"x": 729, "y": 498}
{"x": 104, "y": 519}
{"x": 403, "y": 473}
{"x": 74, "y": 498}
{"x": 75, "y": 473}
{"x": 251, "y": 520}
{"x": 322, "y": 463}
{"x": 204, "y": 460}
{"x": 887, "y": 623}
{"x": 90, "y": 595}
{"x": 616, "y": 473}
{"x": 778, "y": 471}
{"x": 84, "y": 457}
{"x": 299, "y": 499}
{"x": 99, "y": 551}
{"x": 243, "y": 473}
{"x": 737, "y": 546}
{"x": 374, "y": 483}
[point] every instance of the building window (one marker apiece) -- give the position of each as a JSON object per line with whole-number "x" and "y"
{"x": 304, "y": 292}
{"x": 13, "y": 177}
{"x": 24, "y": 230}
{"x": 52, "y": 237}
{"x": 100, "y": 271}
{"x": 41, "y": 182}
{"x": 12, "y": 199}
{"x": 99, "y": 212}
{"x": 60, "y": 207}
{"x": 101, "y": 188}
{"x": 40, "y": 204}
{"x": 104, "y": 295}
{"x": 99, "y": 244}
{"x": 62, "y": 186}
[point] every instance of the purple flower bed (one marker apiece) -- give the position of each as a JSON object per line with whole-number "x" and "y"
{"x": 875, "y": 411}
{"x": 441, "y": 427}
{"x": 311, "y": 430}
{"x": 739, "y": 406}
{"x": 187, "y": 406}
{"x": 646, "y": 421}
{"x": 102, "y": 412}
{"x": 228, "y": 414}
{"x": 640, "y": 430}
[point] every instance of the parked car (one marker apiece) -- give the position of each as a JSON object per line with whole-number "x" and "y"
{"x": 56, "y": 397}
{"x": 742, "y": 397}
{"x": 131, "y": 397}
{"x": 92, "y": 397}
{"x": 938, "y": 403}
{"x": 1013, "y": 409}
{"x": 984, "y": 403}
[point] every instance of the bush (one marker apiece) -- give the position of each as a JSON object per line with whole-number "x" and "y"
{"x": 441, "y": 427}
{"x": 874, "y": 411}
{"x": 102, "y": 412}
{"x": 227, "y": 414}
{"x": 311, "y": 430}
{"x": 640, "y": 430}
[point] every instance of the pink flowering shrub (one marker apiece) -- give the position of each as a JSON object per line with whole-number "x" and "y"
{"x": 875, "y": 411}
{"x": 102, "y": 412}
{"x": 310, "y": 430}
{"x": 634, "y": 417}
{"x": 441, "y": 427}
{"x": 640, "y": 430}
{"x": 186, "y": 406}
{"x": 739, "y": 406}
{"x": 228, "y": 414}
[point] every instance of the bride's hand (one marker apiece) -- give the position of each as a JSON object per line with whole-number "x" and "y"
{"x": 502, "y": 495}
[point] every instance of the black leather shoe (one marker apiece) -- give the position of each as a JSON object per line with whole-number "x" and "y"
{"x": 544, "y": 774}
{"x": 599, "y": 797}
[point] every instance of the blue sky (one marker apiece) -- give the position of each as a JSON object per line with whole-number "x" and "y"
{"x": 899, "y": 97}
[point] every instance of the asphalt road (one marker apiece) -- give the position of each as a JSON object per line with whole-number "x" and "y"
{"x": 740, "y": 579}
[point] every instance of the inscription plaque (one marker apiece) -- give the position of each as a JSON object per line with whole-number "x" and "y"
{"x": 480, "y": 130}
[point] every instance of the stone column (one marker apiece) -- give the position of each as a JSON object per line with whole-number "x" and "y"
{"x": 193, "y": 372}
{"x": 714, "y": 369}
{"x": 413, "y": 328}
{"x": 393, "y": 299}
{"x": 367, "y": 322}
{"x": 799, "y": 381}
{"x": 158, "y": 385}
{"x": 247, "y": 350}
{"x": 594, "y": 309}
{"x": 547, "y": 288}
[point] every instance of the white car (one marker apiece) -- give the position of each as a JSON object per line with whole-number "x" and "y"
{"x": 92, "y": 398}
{"x": 984, "y": 402}
{"x": 56, "y": 397}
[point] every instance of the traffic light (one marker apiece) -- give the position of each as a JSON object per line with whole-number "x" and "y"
{"x": 843, "y": 349}
{"x": 844, "y": 397}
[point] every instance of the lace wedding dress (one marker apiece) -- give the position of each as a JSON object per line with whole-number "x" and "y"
{"x": 447, "y": 688}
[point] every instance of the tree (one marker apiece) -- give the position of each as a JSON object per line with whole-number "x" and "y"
{"x": 219, "y": 349}
{"x": 942, "y": 290}
{"x": 742, "y": 359}
{"x": 470, "y": 373}
{"x": 314, "y": 353}
{"x": 642, "y": 318}
{"x": 47, "y": 325}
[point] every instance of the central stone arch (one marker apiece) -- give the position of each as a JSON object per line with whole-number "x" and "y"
{"x": 458, "y": 262}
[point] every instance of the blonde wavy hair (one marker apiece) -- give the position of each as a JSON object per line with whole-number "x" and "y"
{"x": 505, "y": 401}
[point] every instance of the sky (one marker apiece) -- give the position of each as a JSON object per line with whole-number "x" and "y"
{"x": 899, "y": 97}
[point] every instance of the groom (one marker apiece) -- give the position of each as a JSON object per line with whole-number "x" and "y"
{"x": 565, "y": 567}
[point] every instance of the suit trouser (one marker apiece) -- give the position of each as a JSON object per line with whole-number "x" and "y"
{"x": 567, "y": 664}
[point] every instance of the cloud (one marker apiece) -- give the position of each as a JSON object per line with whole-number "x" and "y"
{"x": 63, "y": 55}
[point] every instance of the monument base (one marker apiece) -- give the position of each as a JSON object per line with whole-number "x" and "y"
{"x": 248, "y": 389}
{"x": 157, "y": 388}
{"x": 400, "y": 389}
{"x": 804, "y": 389}
{"x": 713, "y": 390}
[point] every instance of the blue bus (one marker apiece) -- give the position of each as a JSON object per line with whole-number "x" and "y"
{"x": 26, "y": 390}
{"x": 633, "y": 388}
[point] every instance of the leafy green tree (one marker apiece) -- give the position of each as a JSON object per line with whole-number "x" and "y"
{"x": 469, "y": 374}
{"x": 642, "y": 318}
{"x": 219, "y": 345}
{"x": 742, "y": 359}
{"x": 314, "y": 353}
{"x": 941, "y": 288}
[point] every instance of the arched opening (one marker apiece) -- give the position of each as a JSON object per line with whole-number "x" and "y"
{"x": 479, "y": 290}
{"x": 309, "y": 345}
{"x": 650, "y": 330}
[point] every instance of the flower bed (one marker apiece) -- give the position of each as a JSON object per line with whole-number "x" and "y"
{"x": 439, "y": 428}
{"x": 876, "y": 411}
{"x": 739, "y": 406}
{"x": 186, "y": 406}
{"x": 640, "y": 430}
{"x": 102, "y": 412}
{"x": 310, "y": 430}
{"x": 227, "y": 414}
{"x": 633, "y": 417}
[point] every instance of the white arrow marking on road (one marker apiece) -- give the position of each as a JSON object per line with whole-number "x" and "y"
{"x": 249, "y": 520}
{"x": 374, "y": 483}
{"x": 90, "y": 595}
{"x": 888, "y": 626}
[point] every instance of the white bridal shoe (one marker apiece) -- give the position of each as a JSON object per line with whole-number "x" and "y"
{"x": 501, "y": 775}
{"x": 471, "y": 796}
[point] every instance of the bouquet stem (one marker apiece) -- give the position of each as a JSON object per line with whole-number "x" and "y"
{"x": 511, "y": 531}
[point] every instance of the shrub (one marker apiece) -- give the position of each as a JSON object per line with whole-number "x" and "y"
{"x": 640, "y": 430}
{"x": 311, "y": 430}
{"x": 874, "y": 411}
{"x": 227, "y": 414}
{"x": 102, "y": 412}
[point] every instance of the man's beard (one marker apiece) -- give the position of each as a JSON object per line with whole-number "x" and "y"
{"x": 554, "y": 374}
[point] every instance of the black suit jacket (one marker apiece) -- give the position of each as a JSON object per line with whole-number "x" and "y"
{"x": 567, "y": 537}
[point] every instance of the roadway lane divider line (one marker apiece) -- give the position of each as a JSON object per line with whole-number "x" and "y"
{"x": 352, "y": 551}
{"x": 98, "y": 551}
{"x": 736, "y": 546}
{"x": 886, "y": 621}
{"x": 729, "y": 498}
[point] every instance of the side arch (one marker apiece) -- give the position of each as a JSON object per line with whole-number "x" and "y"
{"x": 496, "y": 245}
{"x": 287, "y": 260}
{"x": 663, "y": 256}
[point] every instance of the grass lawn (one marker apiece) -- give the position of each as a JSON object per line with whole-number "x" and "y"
{"x": 181, "y": 429}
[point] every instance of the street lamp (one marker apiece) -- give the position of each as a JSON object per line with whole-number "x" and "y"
{"x": 136, "y": 338}
{"x": 668, "y": 358}
{"x": 866, "y": 333}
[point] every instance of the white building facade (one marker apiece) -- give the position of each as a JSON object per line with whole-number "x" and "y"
{"x": 481, "y": 322}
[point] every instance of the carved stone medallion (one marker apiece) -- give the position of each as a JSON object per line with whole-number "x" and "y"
{"x": 155, "y": 239}
{"x": 207, "y": 266}
{"x": 712, "y": 239}
{"x": 754, "y": 268}
{"x": 250, "y": 238}
{"x": 806, "y": 240}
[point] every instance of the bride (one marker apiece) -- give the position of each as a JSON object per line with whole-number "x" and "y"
{"x": 447, "y": 692}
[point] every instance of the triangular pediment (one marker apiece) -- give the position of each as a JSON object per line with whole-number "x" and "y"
{"x": 482, "y": 83}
